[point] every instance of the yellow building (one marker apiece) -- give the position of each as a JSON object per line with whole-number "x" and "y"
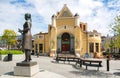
{"x": 66, "y": 34}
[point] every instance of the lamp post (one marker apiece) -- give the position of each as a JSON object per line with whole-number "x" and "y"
{"x": 108, "y": 56}
{"x": 108, "y": 63}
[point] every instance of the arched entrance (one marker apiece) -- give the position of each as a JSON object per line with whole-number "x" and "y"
{"x": 65, "y": 41}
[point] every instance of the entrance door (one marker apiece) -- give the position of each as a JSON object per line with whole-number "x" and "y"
{"x": 65, "y": 47}
{"x": 65, "y": 41}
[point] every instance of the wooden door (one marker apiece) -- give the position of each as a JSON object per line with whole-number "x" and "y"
{"x": 65, "y": 47}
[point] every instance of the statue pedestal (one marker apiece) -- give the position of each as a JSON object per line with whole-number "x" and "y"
{"x": 26, "y": 69}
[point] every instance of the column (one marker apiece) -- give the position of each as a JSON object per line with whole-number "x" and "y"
{"x": 38, "y": 48}
{"x": 99, "y": 47}
{"x": 94, "y": 47}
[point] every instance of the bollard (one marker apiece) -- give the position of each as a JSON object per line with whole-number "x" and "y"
{"x": 0, "y": 56}
{"x": 108, "y": 63}
{"x": 57, "y": 60}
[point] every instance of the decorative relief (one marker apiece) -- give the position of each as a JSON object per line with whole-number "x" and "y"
{"x": 69, "y": 29}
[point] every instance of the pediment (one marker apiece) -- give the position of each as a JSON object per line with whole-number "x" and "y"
{"x": 65, "y": 12}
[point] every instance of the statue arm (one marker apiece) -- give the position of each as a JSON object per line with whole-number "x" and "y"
{"x": 28, "y": 27}
{"x": 19, "y": 30}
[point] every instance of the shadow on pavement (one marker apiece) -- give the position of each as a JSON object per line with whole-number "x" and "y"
{"x": 90, "y": 73}
{"x": 117, "y": 69}
{"x": 117, "y": 73}
{"x": 9, "y": 73}
{"x": 54, "y": 61}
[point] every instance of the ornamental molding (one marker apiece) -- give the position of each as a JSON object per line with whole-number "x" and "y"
{"x": 65, "y": 28}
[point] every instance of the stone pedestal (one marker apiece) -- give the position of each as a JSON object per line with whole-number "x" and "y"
{"x": 26, "y": 69}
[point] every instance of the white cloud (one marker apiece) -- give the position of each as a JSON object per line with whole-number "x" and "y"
{"x": 12, "y": 16}
{"x": 114, "y": 3}
{"x": 97, "y": 14}
{"x": 94, "y": 12}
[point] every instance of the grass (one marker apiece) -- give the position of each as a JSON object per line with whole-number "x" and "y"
{"x": 4, "y": 52}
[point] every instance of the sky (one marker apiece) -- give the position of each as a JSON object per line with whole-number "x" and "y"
{"x": 98, "y": 14}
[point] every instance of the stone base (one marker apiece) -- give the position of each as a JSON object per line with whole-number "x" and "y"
{"x": 26, "y": 69}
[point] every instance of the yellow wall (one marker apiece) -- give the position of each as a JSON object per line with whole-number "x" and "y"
{"x": 65, "y": 21}
{"x": 46, "y": 43}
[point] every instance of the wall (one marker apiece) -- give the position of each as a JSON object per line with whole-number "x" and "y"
{"x": 65, "y": 21}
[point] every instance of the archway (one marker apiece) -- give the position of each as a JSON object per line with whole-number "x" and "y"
{"x": 65, "y": 43}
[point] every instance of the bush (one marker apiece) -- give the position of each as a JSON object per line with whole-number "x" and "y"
{"x": 3, "y": 52}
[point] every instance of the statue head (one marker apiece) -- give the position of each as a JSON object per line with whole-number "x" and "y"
{"x": 27, "y": 16}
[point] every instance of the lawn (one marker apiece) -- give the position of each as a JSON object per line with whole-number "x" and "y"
{"x": 4, "y": 52}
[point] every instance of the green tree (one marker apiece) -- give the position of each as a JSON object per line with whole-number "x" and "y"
{"x": 115, "y": 27}
{"x": 109, "y": 44}
{"x": 9, "y": 38}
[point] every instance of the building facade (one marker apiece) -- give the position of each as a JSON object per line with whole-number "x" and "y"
{"x": 66, "y": 34}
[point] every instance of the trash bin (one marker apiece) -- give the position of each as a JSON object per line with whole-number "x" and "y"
{"x": 9, "y": 57}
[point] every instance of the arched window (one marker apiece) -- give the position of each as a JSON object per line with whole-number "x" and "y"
{"x": 65, "y": 37}
{"x": 81, "y": 26}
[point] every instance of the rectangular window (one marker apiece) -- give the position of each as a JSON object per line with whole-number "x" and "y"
{"x": 90, "y": 35}
{"x": 41, "y": 36}
{"x": 81, "y": 26}
{"x": 97, "y": 47}
{"x": 41, "y": 48}
{"x": 91, "y": 47}
{"x": 96, "y": 35}
{"x": 84, "y": 27}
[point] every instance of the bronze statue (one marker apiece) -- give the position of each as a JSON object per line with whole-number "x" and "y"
{"x": 27, "y": 37}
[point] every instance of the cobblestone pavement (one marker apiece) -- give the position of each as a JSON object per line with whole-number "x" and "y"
{"x": 68, "y": 70}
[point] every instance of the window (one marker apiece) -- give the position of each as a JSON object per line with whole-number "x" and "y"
{"x": 91, "y": 47}
{"x": 41, "y": 36}
{"x": 40, "y": 48}
{"x": 97, "y": 47}
{"x": 83, "y": 27}
{"x": 90, "y": 35}
{"x": 65, "y": 14}
{"x": 96, "y": 35}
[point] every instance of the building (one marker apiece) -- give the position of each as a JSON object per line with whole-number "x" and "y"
{"x": 66, "y": 34}
{"x": 109, "y": 44}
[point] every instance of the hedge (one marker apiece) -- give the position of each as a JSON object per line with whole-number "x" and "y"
{"x": 3, "y": 52}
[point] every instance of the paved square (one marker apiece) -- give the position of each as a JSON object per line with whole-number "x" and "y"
{"x": 67, "y": 70}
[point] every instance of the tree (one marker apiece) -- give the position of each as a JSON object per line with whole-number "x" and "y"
{"x": 115, "y": 27}
{"x": 9, "y": 38}
{"x": 109, "y": 44}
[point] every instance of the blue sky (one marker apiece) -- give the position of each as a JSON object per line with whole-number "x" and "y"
{"x": 99, "y": 14}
